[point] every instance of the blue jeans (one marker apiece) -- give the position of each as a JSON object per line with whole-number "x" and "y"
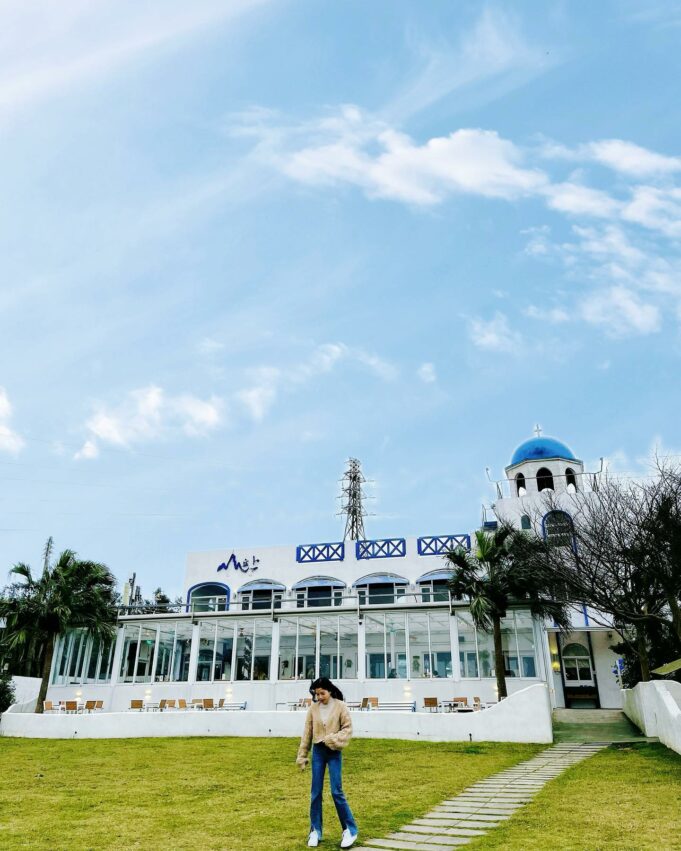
{"x": 321, "y": 757}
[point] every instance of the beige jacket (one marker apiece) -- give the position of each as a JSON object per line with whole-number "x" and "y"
{"x": 335, "y": 733}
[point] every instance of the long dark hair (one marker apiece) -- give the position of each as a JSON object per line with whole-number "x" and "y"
{"x": 327, "y": 685}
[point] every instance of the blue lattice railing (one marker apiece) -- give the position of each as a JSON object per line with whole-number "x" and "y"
{"x": 438, "y": 545}
{"x": 386, "y": 548}
{"x": 306, "y": 553}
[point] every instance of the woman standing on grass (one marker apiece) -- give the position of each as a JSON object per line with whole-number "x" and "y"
{"x": 328, "y": 729}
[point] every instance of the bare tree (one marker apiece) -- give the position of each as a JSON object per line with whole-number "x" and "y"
{"x": 622, "y": 555}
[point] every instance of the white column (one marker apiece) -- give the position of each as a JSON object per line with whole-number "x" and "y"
{"x": 194, "y": 654}
{"x": 118, "y": 652}
{"x": 274, "y": 661}
{"x": 454, "y": 638}
{"x": 361, "y": 652}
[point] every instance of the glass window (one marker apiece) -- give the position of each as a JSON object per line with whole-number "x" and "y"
{"x": 486, "y": 653}
{"x": 288, "y": 636}
{"x": 129, "y": 655}
{"x": 147, "y": 654}
{"x": 396, "y": 645}
{"x": 329, "y": 655}
{"x": 306, "y": 662}
{"x": 526, "y": 650}
{"x": 166, "y": 644}
{"x": 440, "y": 645}
{"x": 224, "y": 647}
{"x": 577, "y": 663}
{"x": 182, "y": 652}
{"x": 347, "y": 637}
{"x": 525, "y": 522}
{"x": 419, "y": 645}
{"x": 468, "y": 648}
{"x": 209, "y": 598}
{"x": 204, "y": 666}
{"x": 263, "y": 650}
{"x": 374, "y": 638}
{"x": 558, "y": 529}
{"x": 244, "y": 649}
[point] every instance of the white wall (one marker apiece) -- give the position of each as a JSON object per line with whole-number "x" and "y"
{"x": 26, "y": 688}
{"x": 655, "y": 708}
{"x": 523, "y": 717}
{"x": 609, "y": 690}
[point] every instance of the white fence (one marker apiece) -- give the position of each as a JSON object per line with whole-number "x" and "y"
{"x": 655, "y": 708}
{"x": 523, "y": 717}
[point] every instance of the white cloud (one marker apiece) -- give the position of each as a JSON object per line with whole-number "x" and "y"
{"x": 269, "y": 381}
{"x": 494, "y": 334}
{"x": 631, "y": 159}
{"x": 148, "y": 414}
{"x": 426, "y": 372}
{"x": 575, "y": 199}
{"x": 656, "y": 209}
{"x": 554, "y": 315}
{"x": 10, "y": 441}
{"x": 209, "y": 346}
{"x": 620, "y": 311}
{"x": 49, "y": 48}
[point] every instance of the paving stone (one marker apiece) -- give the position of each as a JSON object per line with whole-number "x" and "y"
{"x": 476, "y": 814}
{"x": 443, "y": 831}
{"x": 401, "y": 843}
{"x": 463, "y": 823}
{"x": 442, "y": 841}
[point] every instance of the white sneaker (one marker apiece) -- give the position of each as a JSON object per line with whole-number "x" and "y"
{"x": 313, "y": 839}
{"x": 347, "y": 839}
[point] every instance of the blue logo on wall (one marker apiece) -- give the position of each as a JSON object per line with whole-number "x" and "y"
{"x": 244, "y": 566}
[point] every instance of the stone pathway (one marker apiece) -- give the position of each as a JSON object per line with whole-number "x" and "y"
{"x": 483, "y": 806}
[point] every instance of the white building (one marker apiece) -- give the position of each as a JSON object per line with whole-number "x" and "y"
{"x": 259, "y": 623}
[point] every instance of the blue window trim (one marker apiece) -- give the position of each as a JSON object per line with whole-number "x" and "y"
{"x": 262, "y": 585}
{"x": 380, "y": 579}
{"x": 228, "y": 592}
{"x": 381, "y": 548}
{"x": 435, "y": 575}
{"x": 572, "y": 525}
{"x": 438, "y": 545}
{"x": 311, "y": 553}
{"x": 318, "y": 582}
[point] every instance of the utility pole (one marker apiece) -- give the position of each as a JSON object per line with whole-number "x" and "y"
{"x": 352, "y": 497}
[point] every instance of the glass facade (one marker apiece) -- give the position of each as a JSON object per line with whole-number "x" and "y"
{"x": 476, "y": 647}
{"x": 405, "y": 643}
{"x": 82, "y": 659}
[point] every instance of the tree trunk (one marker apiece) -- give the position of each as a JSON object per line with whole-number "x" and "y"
{"x": 642, "y": 652}
{"x": 499, "y": 669}
{"x": 47, "y": 665}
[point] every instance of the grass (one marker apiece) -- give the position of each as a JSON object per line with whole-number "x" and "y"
{"x": 233, "y": 794}
{"x": 626, "y": 797}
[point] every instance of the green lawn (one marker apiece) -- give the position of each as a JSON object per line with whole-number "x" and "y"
{"x": 232, "y": 794}
{"x": 626, "y": 797}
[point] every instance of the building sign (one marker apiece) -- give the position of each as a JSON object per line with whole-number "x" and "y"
{"x": 244, "y": 566}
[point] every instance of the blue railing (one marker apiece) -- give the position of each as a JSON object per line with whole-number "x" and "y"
{"x": 438, "y": 545}
{"x": 386, "y": 548}
{"x": 307, "y": 553}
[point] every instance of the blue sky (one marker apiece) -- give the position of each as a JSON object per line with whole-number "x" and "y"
{"x": 243, "y": 241}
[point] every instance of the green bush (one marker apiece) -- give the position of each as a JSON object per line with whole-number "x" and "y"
{"x": 6, "y": 690}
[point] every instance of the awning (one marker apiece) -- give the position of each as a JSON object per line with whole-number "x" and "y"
{"x": 319, "y": 582}
{"x": 435, "y": 574}
{"x": 669, "y": 668}
{"x": 262, "y": 585}
{"x": 381, "y": 579}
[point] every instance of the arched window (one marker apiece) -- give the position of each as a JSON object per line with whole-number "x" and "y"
{"x": 434, "y": 585}
{"x": 558, "y": 529}
{"x": 319, "y": 591}
{"x": 525, "y": 522}
{"x": 380, "y": 588}
{"x": 577, "y": 663}
{"x": 261, "y": 594}
{"x": 570, "y": 480}
{"x": 208, "y": 597}
{"x": 544, "y": 479}
{"x": 520, "y": 488}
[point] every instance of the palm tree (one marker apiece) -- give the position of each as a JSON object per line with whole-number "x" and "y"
{"x": 70, "y": 594}
{"x": 506, "y": 566}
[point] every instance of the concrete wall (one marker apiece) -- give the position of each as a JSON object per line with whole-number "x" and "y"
{"x": 523, "y": 717}
{"x": 655, "y": 708}
{"x": 26, "y": 688}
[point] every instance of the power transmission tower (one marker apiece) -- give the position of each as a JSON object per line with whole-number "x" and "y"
{"x": 352, "y": 497}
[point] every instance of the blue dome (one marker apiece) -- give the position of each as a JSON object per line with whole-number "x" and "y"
{"x": 541, "y": 447}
